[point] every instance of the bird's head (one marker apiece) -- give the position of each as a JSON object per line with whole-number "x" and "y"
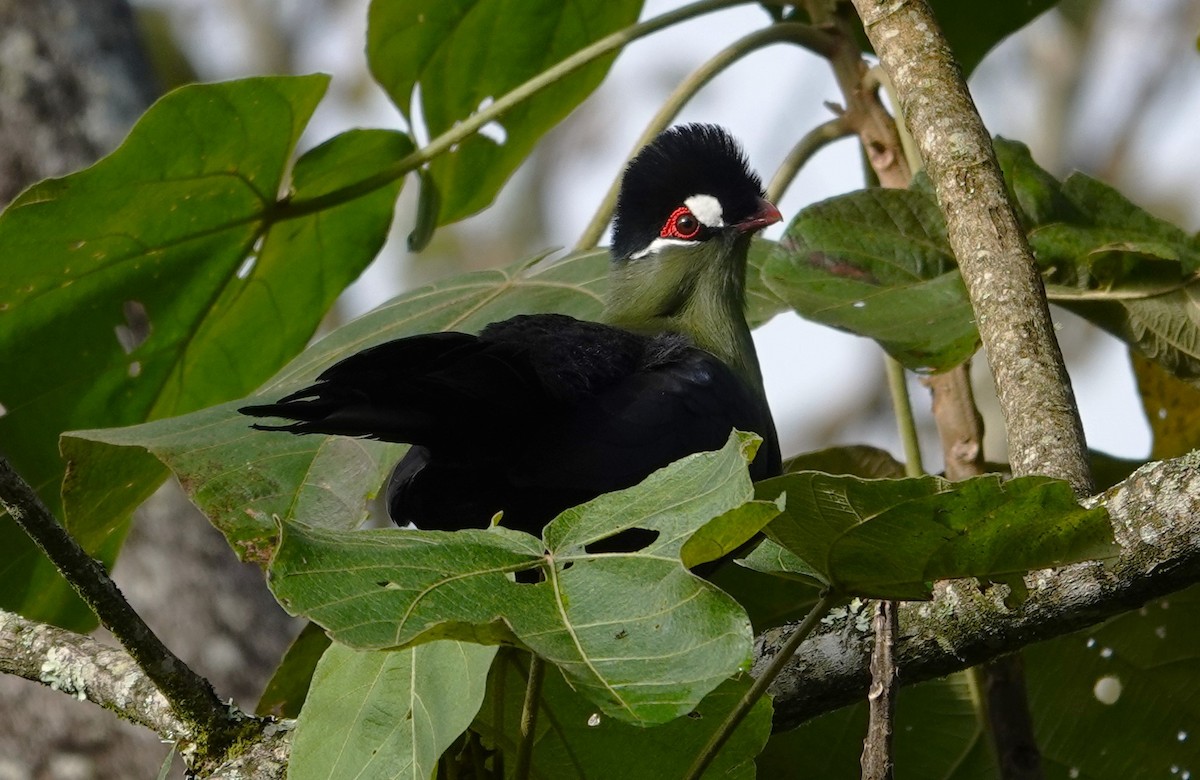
{"x": 688, "y": 205}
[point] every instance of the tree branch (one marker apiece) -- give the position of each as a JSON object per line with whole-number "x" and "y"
{"x": 80, "y": 666}
{"x": 1156, "y": 522}
{"x": 214, "y": 726}
{"x": 1045, "y": 435}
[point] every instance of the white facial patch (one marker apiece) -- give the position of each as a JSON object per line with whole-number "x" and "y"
{"x": 657, "y": 244}
{"x": 707, "y": 209}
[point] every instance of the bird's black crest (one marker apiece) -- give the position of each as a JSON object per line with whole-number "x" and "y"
{"x": 683, "y": 161}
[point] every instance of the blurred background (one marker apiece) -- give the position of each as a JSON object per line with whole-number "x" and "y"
{"x": 1108, "y": 87}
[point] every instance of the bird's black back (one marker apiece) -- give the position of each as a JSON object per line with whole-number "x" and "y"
{"x": 535, "y": 414}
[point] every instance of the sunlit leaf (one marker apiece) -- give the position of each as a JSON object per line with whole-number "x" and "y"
{"x": 1172, "y": 408}
{"x": 145, "y": 275}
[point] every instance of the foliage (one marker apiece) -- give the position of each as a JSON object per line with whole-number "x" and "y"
{"x": 215, "y": 264}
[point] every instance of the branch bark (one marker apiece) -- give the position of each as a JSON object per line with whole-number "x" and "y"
{"x": 1156, "y": 521}
{"x": 80, "y": 666}
{"x": 1045, "y": 435}
{"x": 213, "y": 727}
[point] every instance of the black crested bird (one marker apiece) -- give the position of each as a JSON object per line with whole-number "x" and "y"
{"x": 542, "y": 412}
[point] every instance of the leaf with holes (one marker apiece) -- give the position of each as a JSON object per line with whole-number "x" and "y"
{"x": 635, "y": 632}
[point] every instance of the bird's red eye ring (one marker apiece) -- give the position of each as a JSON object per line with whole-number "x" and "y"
{"x": 681, "y": 224}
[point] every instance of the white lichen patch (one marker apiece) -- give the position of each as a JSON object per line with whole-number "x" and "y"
{"x": 62, "y": 673}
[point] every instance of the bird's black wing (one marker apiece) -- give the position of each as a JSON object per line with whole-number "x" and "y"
{"x": 442, "y": 389}
{"x": 536, "y": 414}
{"x": 678, "y": 401}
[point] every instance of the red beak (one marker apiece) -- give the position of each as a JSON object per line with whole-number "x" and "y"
{"x": 767, "y": 214}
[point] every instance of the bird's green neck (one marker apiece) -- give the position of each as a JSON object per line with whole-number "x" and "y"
{"x": 699, "y": 292}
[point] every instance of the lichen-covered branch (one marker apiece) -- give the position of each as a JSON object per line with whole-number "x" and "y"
{"x": 80, "y": 666}
{"x": 1156, "y": 521}
{"x": 213, "y": 726}
{"x": 88, "y": 670}
{"x": 1044, "y": 432}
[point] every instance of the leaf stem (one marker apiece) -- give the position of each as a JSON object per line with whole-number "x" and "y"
{"x": 811, "y": 143}
{"x": 748, "y": 700}
{"x": 190, "y": 696}
{"x": 529, "y": 711}
{"x": 902, "y": 407}
{"x": 805, "y": 35}
{"x": 285, "y": 209}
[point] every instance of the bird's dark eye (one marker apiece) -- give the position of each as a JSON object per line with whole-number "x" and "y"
{"x": 681, "y": 224}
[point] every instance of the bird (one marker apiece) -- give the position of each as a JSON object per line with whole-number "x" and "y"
{"x": 542, "y": 412}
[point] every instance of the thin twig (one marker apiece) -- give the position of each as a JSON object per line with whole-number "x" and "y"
{"x": 191, "y": 697}
{"x": 805, "y": 35}
{"x": 529, "y": 712}
{"x": 811, "y": 143}
{"x": 759, "y": 688}
{"x": 877, "y": 761}
{"x": 905, "y": 422}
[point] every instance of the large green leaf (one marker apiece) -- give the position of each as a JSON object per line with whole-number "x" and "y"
{"x": 387, "y": 714}
{"x": 464, "y": 54}
{"x": 876, "y": 263}
{"x": 1121, "y": 699}
{"x": 145, "y": 275}
{"x": 1109, "y": 260}
{"x": 574, "y": 740}
{"x": 638, "y": 634}
{"x": 893, "y": 538}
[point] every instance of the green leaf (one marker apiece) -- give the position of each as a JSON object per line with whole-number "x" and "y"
{"x": 1038, "y": 196}
{"x": 464, "y": 54}
{"x": 288, "y": 687}
{"x": 143, "y": 274}
{"x": 727, "y": 532}
{"x": 1128, "y": 272}
{"x": 241, "y": 478}
{"x": 893, "y": 538}
{"x": 858, "y": 460}
{"x": 387, "y": 714}
{"x": 1128, "y": 684}
{"x": 635, "y": 632}
{"x": 973, "y": 29}
{"x": 574, "y": 740}
{"x": 876, "y": 263}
